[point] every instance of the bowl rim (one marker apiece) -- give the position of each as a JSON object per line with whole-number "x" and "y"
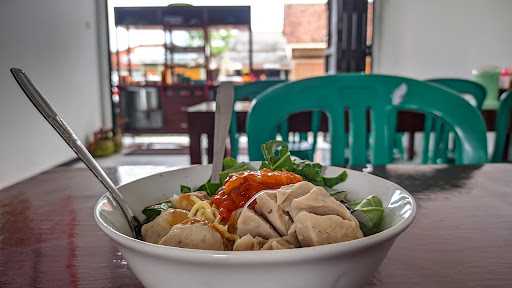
{"x": 205, "y": 256}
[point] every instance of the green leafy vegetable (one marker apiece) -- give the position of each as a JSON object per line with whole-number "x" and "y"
{"x": 229, "y": 166}
{"x": 209, "y": 187}
{"x": 151, "y": 212}
{"x": 340, "y": 196}
{"x": 229, "y": 163}
{"x": 233, "y": 168}
{"x": 310, "y": 171}
{"x": 185, "y": 189}
{"x": 370, "y": 213}
{"x": 333, "y": 181}
{"x": 278, "y": 157}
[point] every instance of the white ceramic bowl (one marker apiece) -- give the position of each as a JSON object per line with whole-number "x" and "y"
{"x": 348, "y": 264}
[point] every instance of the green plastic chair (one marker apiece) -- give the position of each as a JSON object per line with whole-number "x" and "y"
{"x": 246, "y": 92}
{"x": 472, "y": 92}
{"x": 381, "y": 95}
{"x": 298, "y": 142}
{"x": 299, "y": 146}
{"x": 502, "y": 126}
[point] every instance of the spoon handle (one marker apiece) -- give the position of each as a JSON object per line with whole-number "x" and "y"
{"x": 47, "y": 111}
{"x": 223, "y": 110}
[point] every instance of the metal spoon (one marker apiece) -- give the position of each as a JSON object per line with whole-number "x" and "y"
{"x": 42, "y": 105}
{"x": 223, "y": 111}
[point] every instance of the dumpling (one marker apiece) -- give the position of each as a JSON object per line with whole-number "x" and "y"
{"x": 233, "y": 220}
{"x": 153, "y": 231}
{"x": 185, "y": 202}
{"x": 292, "y": 236}
{"x": 286, "y": 194}
{"x": 319, "y": 202}
{"x": 277, "y": 244}
{"x": 313, "y": 230}
{"x": 249, "y": 243}
{"x": 266, "y": 205}
{"x": 251, "y": 223}
{"x": 194, "y": 234}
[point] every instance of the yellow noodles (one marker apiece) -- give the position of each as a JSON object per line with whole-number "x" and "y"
{"x": 203, "y": 210}
{"x": 224, "y": 232}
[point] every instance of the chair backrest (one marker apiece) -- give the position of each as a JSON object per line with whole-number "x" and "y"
{"x": 378, "y": 95}
{"x": 502, "y": 127}
{"x": 250, "y": 90}
{"x": 247, "y": 92}
{"x": 474, "y": 91}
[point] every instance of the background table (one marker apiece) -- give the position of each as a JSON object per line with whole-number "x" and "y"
{"x": 201, "y": 121}
{"x": 461, "y": 236}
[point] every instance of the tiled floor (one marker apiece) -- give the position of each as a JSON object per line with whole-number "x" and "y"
{"x": 126, "y": 158}
{"x": 321, "y": 156}
{"x": 129, "y": 142}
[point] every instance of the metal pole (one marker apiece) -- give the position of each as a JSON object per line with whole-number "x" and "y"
{"x": 129, "y": 52}
{"x": 250, "y": 49}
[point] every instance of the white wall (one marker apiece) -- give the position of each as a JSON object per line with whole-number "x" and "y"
{"x": 56, "y": 43}
{"x": 440, "y": 38}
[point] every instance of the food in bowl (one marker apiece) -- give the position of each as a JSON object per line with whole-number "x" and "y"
{"x": 346, "y": 264}
{"x": 285, "y": 204}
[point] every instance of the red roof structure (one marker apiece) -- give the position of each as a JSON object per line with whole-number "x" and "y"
{"x": 305, "y": 23}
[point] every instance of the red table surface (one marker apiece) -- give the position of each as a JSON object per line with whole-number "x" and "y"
{"x": 461, "y": 237}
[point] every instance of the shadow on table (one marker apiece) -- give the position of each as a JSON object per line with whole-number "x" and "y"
{"x": 429, "y": 178}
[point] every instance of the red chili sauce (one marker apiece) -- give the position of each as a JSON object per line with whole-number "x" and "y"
{"x": 241, "y": 187}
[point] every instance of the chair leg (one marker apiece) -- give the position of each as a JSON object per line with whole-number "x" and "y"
{"x": 283, "y": 130}
{"x": 437, "y": 150}
{"x": 458, "y": 150}
{"x": 399, "y": 145}
{"x": 444, "y": 147}
{"x": 410, "y": 148}
{"x": 234, "y": 147}
{"x": 427, "y": 131}
{"x": 507, "y": 147}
